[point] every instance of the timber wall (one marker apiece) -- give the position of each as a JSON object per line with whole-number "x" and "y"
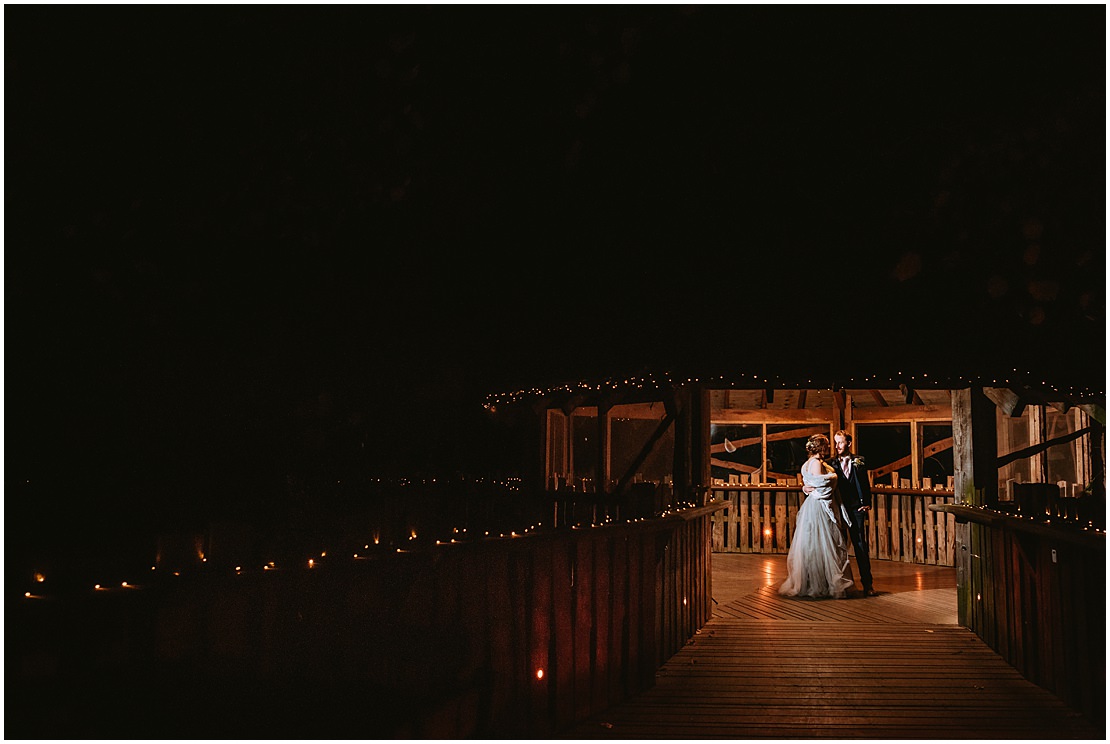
{"x": 510, "y": 637}
{"x": 901, "y": 526}
{"x": 1037, "y": 596}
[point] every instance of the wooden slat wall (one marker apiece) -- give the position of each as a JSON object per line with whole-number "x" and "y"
{"x": 465, "y": 629}
{"x": 900, "y": 528}
{"x": 1040, "y": 603}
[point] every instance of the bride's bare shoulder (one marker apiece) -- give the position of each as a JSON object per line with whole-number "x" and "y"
{"x": 816, "y": 466}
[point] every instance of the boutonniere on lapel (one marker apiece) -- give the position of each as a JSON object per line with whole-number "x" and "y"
{"x": 857, "y": 462}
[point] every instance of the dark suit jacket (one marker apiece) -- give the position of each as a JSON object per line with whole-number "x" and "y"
{"x": 855, "y": 491}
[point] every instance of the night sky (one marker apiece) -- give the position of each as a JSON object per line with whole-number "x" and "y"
{"x": 248, "y": 246}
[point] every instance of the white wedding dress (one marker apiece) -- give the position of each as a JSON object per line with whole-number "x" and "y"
{"x": 817, "y": 564}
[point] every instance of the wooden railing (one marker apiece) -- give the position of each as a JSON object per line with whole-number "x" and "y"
{"x": 1035, "y": 591}
{"x": 900, "y": 527}
{"x": 517, "y": 636}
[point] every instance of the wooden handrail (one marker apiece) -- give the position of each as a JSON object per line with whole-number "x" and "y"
{"x": 1069, "y": 532}
{"x": 878, "y": 488}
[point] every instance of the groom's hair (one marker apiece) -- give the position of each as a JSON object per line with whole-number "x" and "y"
{"x": 846, "y": 435}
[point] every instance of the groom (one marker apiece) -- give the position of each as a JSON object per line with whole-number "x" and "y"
{"x": 855, "y": 494}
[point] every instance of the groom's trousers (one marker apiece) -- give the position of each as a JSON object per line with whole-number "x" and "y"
{"x": 858, "y": 533}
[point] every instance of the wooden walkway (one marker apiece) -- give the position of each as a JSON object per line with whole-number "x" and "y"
{"x": 895, "y": 666}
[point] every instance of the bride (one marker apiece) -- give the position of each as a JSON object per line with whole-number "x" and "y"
{"x": 817, "y": 564}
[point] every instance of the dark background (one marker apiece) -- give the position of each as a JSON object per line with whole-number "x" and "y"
{"x": 250, "y": 249}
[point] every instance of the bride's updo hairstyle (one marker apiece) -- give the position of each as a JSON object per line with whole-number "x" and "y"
{"x": 818, "y": 444}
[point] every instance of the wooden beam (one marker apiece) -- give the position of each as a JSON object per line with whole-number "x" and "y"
{"x": 910, "y": 395}
{"x": 805, "y": 431}
{"x": 638, "y": 461}
{"x": 738, "y": 467}
{"x": 1040, "y": 447}
{"x": 653, "y": 411}
{"x": 1095, "y": 411}
{"x": 802, "y": 398}
{"x": 928, "y": 451}
{"x": 573, "y": 402}
{"x": 897, "y": 414}
{"x": 1010, "y": 401}
{"x": 770, "y": 415}
{"x": 839, "y": 399}
{"x": 737, "y": 444}
{"x": 879, "y": 398}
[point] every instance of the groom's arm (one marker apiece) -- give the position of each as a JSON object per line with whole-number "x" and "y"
{"x": 865, "y": 489}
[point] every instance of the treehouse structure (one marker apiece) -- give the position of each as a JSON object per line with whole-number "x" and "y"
{"x": 1003, "y": 478}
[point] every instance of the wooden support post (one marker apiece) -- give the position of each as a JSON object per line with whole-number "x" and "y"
{"x": 763, "y": 478}
{"x": 756, "y": 527}
{"x": 916, "y": 448}
{"x": 781, "y": 530}
{"x": 568, "y": 460}
{"x": 677, "y": 404}
{"x": 765, "y": 539}
{"x": 975, "y": 448}
{"x": 883, "y": 519}
{"x": 974, "y": 456}
{"x": 604, "y": 450}
{"x": 1038, "y": 463}
{"x": 731, "y": 538}
{"x": 547, "y": 454}
{"x": 895, "y": 542}
{"x": 743, "y": 515}
{"x": 701, "y": 430}
{"x": 1097, "y": 450}
{"x": 841, "y": 403}
{"x": 930, "y": 531}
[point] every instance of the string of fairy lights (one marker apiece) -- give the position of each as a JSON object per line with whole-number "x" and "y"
{"x": 655, "y": 381}
{"x": 647, "y": 381}
{"x": 462, "y": 536}
{"x": 372, "y": 548}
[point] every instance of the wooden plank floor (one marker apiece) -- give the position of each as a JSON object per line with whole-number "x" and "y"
{"x": 895, "y": 666}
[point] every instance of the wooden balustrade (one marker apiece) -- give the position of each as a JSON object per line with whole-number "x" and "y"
{"x": 1035, "y": 591}
{"x": 503, "y": 637}
{"x": 901, "y": 525}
